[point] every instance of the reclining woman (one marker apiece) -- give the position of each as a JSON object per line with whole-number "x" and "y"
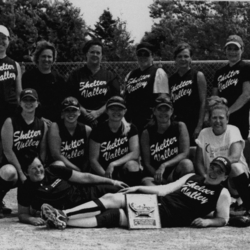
{"x": 222, "y": 139}
{"x": 114, "y": 145}
{"x": 68, "y": 139}
{"x": 185, "y": 202}
{"x": 59, "y": 186}
{"x": 20, "y": 134}
{"x": 165, "y": 146}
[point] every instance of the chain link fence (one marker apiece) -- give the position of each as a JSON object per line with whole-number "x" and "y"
{"x": 123, "y": 68}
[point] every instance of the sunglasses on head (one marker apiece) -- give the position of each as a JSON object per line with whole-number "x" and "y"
{"x": 143, "y": 53}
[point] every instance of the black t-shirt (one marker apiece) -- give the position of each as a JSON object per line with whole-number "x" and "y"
{"x": 93, "y": 90}
{"x": 193, "y": 200}
{"x": 112, "y": 145}
{"x": 51, "y": 90}
{"x": 229, "y": 81}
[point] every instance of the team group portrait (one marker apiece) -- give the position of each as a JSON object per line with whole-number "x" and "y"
{"x": 101, "y": 131}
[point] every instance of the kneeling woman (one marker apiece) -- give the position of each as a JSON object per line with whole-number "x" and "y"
{"x": 114, "y": 145}
{"x": 21, "y": 134}
{"x": 68, "y": 139}
{"x": 165, "y": 146}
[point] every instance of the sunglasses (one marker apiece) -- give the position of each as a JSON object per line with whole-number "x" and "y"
{"x": 143, "y": 53}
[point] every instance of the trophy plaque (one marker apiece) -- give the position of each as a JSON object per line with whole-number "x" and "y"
{"x": 143, "y": 212}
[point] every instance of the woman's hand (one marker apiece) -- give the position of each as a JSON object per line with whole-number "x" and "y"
{"x": 120, "y": 184}
{"x": 159, "y": 174}
{"x": 47, "y": 121}
{"x": 22, "y": 177}
{"x": 36, "y": 221}
{"x": 129, "y": 190}
{"x": 199, "y": 222}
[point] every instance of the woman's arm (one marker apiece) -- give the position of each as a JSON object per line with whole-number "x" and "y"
{"x": 202, "y": 91}
{"x": 54, "y": 141}
{"x": 18, "y": 81}
{"x": 7, "y": 142}
{"x": 24, "y": 216}
{"x": 43, "y": 144}
{"x": 94, "y": 152}
{"x": 199, "y": 162}
{"x": 235, "y": 151}
{"x": 145, "y": 147}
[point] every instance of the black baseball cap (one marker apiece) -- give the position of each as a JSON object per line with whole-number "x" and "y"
{"x": 224, "y": 163}
{"x": 163, "y": 101}
{"x": 29, "y": 93}
{"x": 145, "y": 46}
{"x": 116, "y": 101}
{"x": 70, "y": 102}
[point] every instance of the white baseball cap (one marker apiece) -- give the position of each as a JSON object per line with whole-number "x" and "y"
{"x": 4, "y": 31}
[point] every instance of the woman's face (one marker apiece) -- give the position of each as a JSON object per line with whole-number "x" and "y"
{"x": 233, "y": 53}
{"x": 215, "y": 175}
{"x": 94, "y": 55}
{"x": 29, "y": 104}
{"x": 144, "y": 58}
{"x": 36, "y": 171}
{"x": 4, "y": 42}
{"x": 45, "y": 59}
{"x": 183, "y": 59}
{"x": 219, "y": 121}
{"x": 116, "y": 113}
{"x": 70, "y": 115}
{"x": 163, "y": 114}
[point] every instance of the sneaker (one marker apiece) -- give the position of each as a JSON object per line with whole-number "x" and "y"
{"x": 236, "y": 210}
{"x": 54, "y": 218}
{"x": 4, "y": 210}
{"x": 240, "y": 221}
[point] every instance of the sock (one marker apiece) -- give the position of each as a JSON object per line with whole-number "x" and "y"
{"x": 88, "y": 208}
{"x": 110, "y": 218}
{"x": 133, "y": 178}
{"x": 241, "y": 183}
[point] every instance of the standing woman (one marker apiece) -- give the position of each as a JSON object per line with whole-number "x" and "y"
{"x": 188, "y": 89}
{"x": 20, "y": 135}
{"x": 49, "y": 84}
{"x": 114, "y": 145}
{"x": 68, "y": 139}
{"x": 233, "y": 83}
{"x": 165, "y": 146}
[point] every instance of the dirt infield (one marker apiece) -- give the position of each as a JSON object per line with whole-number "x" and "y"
{"x": 17, "y": 236}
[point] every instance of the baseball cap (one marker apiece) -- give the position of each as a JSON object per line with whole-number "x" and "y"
{"x": 163, "y": 101}
{"x": 145, "y": 46}
{"x": 116, "y": 101}
{"x": 236, "y": 40}
{"x": 29, "y": 92}
{"x": 223, "y": 162}
{"x": 4, "y": 30}
{"x": 70, "y": 102}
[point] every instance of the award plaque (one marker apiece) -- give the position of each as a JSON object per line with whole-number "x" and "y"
{"x": 143, "y": 212}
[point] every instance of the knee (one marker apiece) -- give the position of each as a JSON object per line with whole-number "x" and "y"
{"x": 236, "y": 169}
{"x": 132, "y": 166}
{"x": 8, "y": 173}
{"x": 185, "y": 166}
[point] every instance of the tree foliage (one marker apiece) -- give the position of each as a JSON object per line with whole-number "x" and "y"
{"x": 205, "y": 25}
{"x": 55, "y": 21}
{"x": 115, "y": 37}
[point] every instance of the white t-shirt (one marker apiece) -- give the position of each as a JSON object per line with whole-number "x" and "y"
{"x": 219, "y": 145}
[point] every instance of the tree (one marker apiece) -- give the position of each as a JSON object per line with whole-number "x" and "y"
{"x": 115, "y": 37}
{"x": 56, "y": 21}
{"x": 205, "y": 25}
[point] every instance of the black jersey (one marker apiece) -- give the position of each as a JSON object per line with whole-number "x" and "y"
{"x": 186, "y": 100}
{"x": 193, "y": 200}
{"x": 26, "y": 137}
{"x": 112, "y": 145}
{"x": 51, "y": 90}
{"x": 163, "y": 147}
{"x": 73, "y": 147}
{"x": 93, "y": 90}
{"x": 56, "y": 190}
{"x": 229, "y": 81}
{"x": 140, "y": 95}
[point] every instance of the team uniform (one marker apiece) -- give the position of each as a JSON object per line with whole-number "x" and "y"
{"x": 26, "y": 137}
{"x": 229, "y": 81}
{"x": 51, "y": 89}
{"x": 93, "y": 90}
{"x": 193, "y": 200}
{"x": 112, "y": 145}
{"x": 186, "y": 101}
{"x": 56, "y": 190}
{"x": 74, "y": 147}
{"x": 140, "y": 89}
{"x": 219, "y": 145}
{"x": 8, "y": 96}
{"x": 163, "y": 147}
